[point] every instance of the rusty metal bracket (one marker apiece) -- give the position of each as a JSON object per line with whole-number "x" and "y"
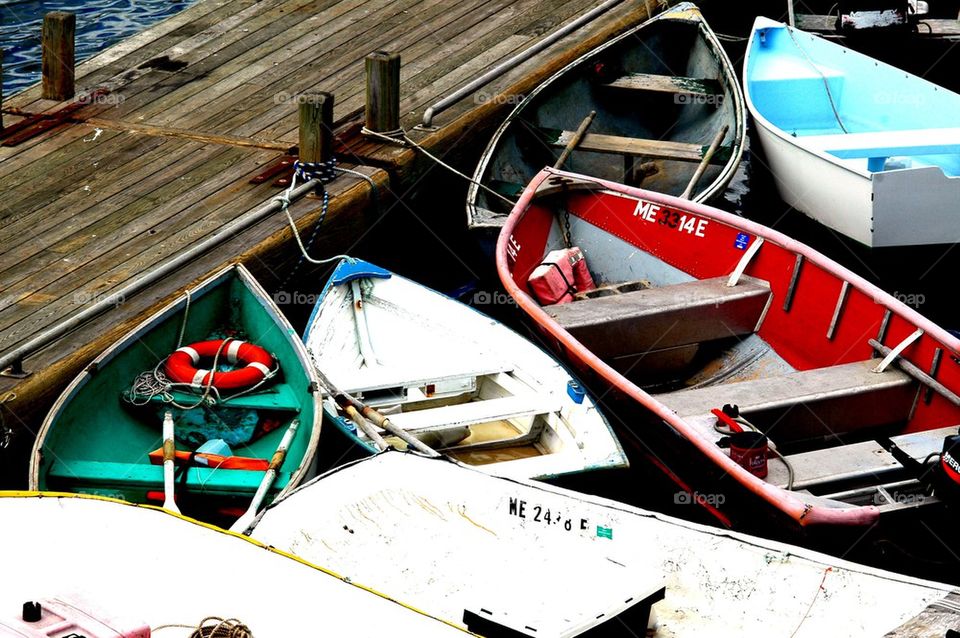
{"x": 35, "y": 124}
{"x": 280, "y": 167}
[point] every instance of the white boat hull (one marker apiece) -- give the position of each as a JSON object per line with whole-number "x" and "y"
{"x": 914, "y": 206}
{"x": 449, "y": 538}
{"x": 150, "y": 566}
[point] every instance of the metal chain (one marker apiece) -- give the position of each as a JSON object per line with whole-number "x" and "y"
{"x": 565, "y": 230}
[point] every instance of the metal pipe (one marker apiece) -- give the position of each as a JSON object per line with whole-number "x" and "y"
{"x": 521, "y": 57}
{"x": 240, "y": 224}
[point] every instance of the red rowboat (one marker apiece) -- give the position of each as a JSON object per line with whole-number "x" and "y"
{"x": 714, "y": 324}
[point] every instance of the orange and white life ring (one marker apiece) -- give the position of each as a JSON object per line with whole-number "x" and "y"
{"x": 182, "y": 365}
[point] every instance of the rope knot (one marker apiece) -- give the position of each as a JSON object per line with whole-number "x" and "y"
{"x": 323, "y": 171}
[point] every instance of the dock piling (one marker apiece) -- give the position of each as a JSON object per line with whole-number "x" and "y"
{"x": 316, "y": 126}
{"x": 383, "y": 92}
{"x": 59, "y": 29}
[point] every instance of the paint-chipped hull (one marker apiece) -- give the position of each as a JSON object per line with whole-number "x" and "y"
{"x": 448, "y": 538}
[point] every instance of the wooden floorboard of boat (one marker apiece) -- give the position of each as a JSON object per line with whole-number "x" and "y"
{"x": 933, "y": 27}
{"x": 164, "y": 159}
{"x": 667, "y": 84}
{"x": 620, "y": 145}
{"x": 935, "y": 620}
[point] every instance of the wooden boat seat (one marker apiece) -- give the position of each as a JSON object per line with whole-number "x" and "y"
{"x": 103, "y": 474}
{"x": 816, "y": 470}
{"x": 834, "y": 400}
{"x": 666, "y": 317}
{"x": 280, "y": 397}
{"x": 483, "y": 411}
{"x": 920, "y": 445}
{"x": 668, "y": 84}
{"x": 620, "y": 145}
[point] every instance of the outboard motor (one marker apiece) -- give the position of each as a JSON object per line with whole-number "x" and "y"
{"x": 947, "y": 482}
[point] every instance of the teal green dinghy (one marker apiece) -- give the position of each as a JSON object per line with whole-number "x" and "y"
{"x": 105, "y": 434}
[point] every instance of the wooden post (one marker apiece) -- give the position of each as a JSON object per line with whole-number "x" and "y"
{"x": 383, "y": 92}
{"x": 59, "y": 29}
{"x": 316, "y": 126}
{"x": 1, "y": 89}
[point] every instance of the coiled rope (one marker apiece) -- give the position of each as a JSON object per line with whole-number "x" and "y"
{"x": 213, "y": 627}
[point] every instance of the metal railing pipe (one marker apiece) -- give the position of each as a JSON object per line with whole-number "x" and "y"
{"x": 519, "y": 58}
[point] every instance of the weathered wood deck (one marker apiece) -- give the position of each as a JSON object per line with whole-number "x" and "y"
{"x": 199, "y": 104}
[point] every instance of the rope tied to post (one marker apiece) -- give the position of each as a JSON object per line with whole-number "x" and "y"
{"x": 322, "y": 173}
{"x": 400, "y": 138}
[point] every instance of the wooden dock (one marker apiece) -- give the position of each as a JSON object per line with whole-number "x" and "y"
{"x": 825, "y": 25}
{"x": 170, "y": 126}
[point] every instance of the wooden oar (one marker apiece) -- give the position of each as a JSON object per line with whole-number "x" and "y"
{"x": 169, "y": 452}
{"x": 701, "y": 169}
{"x": 350, "y": 405}
{"x": 244, "y": 522}
{"x": 362, "y": 423}
{"x": 383, "y": 422}
{"x": 575, "y": 140}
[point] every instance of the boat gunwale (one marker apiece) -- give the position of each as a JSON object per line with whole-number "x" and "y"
{"x": 729, "y": 79}
{"x": 787, "y": 501}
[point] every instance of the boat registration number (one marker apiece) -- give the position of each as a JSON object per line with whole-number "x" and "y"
{"x": 552, "y": 518}
{"x": 682, "y": 222}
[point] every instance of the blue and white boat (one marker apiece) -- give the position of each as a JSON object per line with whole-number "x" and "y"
{"x": 862, "y": 147}
{"x": 458, "y": 380}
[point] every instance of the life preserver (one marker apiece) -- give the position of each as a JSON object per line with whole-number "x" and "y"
{"x": 181, "y": 366}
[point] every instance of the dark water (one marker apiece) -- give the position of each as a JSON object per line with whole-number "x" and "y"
{"x": 100, "y": 23}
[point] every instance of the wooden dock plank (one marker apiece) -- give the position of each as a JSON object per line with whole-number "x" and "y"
{"x": 298, "y": 58}
{"x": 278, "y": 39}
{"x": 345, "y": 70}
{"x": 197, "y": 21}
{"x": 422, "y": 69}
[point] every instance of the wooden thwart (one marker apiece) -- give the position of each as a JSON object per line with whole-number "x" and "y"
{"x": 475, "y": 412}
{"x": 668, "y": 84}
{"x": 664, "y": 317}
{"x": 832, "y": 465}
{"x": 837, "y": 399}
{"x": 619, "y": 145}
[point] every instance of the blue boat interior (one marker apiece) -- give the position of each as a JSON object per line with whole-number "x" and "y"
{"x": 867, "y": 114}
